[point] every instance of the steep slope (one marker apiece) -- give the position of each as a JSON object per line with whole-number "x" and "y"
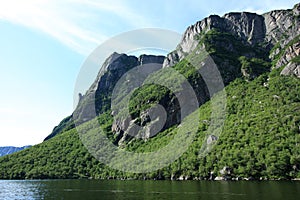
{"x": 112, "y": 70}
{"x": 268, "y": 29}
{"x": 256, "y": 35}
{"x": 260, "y": 138}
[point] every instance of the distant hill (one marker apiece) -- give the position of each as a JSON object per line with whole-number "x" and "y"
{"x": 10, "y": 149}
{"x": 258, "y": 57}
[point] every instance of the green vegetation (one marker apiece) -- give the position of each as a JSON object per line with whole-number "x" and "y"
{"x": 296, "y": 60}
{"x": 226, "y": 48}
{"x": 253, "y": 66}
{"x": 146, "y": 96}
{"x": 261, "y": 138}
{"x": 65, "y": 125}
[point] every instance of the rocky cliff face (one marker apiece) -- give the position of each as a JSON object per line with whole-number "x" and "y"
{"x": 97, "y": 98}
{"x": 101, "y": 90}
{"x": 260, "y": 137}
{"x": 289, "y": 60}
{"x": 242, "y": 44}
{"x": 277, "y": 27}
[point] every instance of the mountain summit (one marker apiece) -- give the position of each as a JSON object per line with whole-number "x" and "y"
{"x": 275, "y": 28}
{"x": 258, "y": 59}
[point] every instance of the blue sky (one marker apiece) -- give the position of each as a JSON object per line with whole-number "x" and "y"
{"x": 43, "y": 44}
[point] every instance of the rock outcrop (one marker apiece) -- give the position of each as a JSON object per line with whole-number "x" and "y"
{"x": 288, "y": 59}
{"x": 279, "y": 26}
{"x": 96, "y": 100}
{"x": 273, "y": 36}
{"x": 291, "y": 69}
{"x": 259, "y": 139}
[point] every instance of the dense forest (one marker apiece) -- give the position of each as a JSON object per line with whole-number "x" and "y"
{"x": 260, "y": 138}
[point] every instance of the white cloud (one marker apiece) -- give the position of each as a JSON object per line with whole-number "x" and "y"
{"x": 84, "y": 24}
{"x": 71, "y": 22}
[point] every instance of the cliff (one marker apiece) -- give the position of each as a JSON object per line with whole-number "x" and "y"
{"x": 258, "y": 59}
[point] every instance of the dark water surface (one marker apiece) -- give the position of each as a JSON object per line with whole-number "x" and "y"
{"x": 111, "y": 189}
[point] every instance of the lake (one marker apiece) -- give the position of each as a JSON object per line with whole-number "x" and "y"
{"x": 113, "y": 189}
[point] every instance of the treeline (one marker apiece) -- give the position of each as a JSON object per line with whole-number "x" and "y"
{"x": 260, "y": 138}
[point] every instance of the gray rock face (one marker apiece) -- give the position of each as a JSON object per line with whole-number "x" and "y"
{"x": 282, "y": 25}
{"x": 150, "y": 121}
{"x": 118, "y": 63}
{"x": 211, "y": 139}
{"x": 296, "y": 9}
{"x": 148, "y": 59}
{"x": 289, "y": 53}
{"x": 95, "y": 100}
{"x": 252, "y": 28}
{"x": 248, "y": 26}
{"x": 291, "y": 69}
{"x": 225, "y": 171}
{"x": 278, "y": 27}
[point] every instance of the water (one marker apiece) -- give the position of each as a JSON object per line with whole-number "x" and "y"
{"x": 111, "y": 189}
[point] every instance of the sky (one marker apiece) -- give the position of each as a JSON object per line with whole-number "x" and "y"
{"x": 43, "y": 44}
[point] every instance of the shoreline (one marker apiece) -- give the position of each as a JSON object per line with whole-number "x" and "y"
{"x": 176, "y": 180}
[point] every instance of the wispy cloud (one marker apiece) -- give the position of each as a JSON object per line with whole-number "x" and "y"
{"x": 84, "y": 24}
{"x": 71, "y": 22}
{"x": 267, "y": 5}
